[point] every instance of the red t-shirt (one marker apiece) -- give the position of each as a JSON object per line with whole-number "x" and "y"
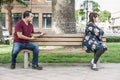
{"x": 25, "y": 29}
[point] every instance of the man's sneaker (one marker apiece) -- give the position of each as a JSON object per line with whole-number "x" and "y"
{"x": 37, "y": 67}
{"x": 12, "y": 66}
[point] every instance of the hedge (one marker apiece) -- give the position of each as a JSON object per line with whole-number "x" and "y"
{"x": 113, "y": 38}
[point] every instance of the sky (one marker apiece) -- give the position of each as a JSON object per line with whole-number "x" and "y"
{"x": 109, "y": 5}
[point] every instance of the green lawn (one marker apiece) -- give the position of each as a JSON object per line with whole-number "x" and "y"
{"x": 112, "y": 55}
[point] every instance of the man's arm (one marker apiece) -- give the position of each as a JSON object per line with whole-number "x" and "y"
{"x": 38, "y": 34}
{"x": 21, "y": 36}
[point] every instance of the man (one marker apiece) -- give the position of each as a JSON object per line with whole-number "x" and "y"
{"x": 22, "y": 40}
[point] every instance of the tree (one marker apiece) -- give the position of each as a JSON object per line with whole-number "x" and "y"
{"x": 78, "y": 12}
{"x": 63, "y": 16}
{"x": 1, "y": 2}
{"x": 104, "y": 15}
{"x": 95, "y": 8}
{"x": 9, "y": 6}
{"x": 1, "y": 36}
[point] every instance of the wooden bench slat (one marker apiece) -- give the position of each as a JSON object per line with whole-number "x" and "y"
{"x": 61, "y": 39}
{"x": 56, "y": 51}
{"x": 62, "y": 35}
{"x": 104, "y": 39}
{"x": 58, "y": 43}
{"x": 58, "y": 39}
{"x": 62, "y": 51}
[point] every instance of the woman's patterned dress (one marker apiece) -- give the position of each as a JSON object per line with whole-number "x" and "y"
{"x": 93, "y": 38}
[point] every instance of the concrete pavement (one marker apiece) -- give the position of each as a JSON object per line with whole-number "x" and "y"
{"x": 66, "y": 71}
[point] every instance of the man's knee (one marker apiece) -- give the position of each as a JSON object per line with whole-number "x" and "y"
{"x": 15, "y": 50}
{"x": 37, "y": 48}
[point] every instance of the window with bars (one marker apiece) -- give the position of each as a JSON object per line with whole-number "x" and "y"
{"x": 18, "y": 16}
{"x": 46, "y": 20}
{"x": 35, "y": 20}
{"x": 15, "y": 18}
{"x": 26, "y": 0}
{"x": 2, "y": 19}
{"x": 48, "y": 0}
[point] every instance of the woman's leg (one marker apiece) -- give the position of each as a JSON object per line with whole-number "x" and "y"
{"x": 97, "y": 53}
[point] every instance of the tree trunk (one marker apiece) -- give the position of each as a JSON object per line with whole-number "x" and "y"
{"x": 63, "y": 17}
{"x": 9, "y": 15}
{"x": 1, "y": 34}
{"x": 0, "y": 8}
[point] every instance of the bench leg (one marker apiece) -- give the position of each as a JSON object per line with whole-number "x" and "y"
{"x": 29, "y": 59}
{"x": 26, "y": 59}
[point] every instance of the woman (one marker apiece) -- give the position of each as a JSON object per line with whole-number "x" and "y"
{"x": 92, "y": 41}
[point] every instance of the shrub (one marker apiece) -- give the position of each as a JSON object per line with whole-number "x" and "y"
{"x": 113, "y": 38}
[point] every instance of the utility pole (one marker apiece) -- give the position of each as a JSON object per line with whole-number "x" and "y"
{"x": 79, "y": 16}
{"x": 86, "y": 12}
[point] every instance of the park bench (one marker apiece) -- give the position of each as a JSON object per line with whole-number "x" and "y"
{"x": 56, "y": 40}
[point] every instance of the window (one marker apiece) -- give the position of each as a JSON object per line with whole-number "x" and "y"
{"x": 35, "y": 20}
{"x": 26, "y": 0}
{"x": 47, "y": 20}
{"x": 48, "y": 0}
{"x": 15, "y": 18}
{"x": 2, "y": 19}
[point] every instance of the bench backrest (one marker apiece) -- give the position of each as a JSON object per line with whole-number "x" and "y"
{"x": 61, "y": 40}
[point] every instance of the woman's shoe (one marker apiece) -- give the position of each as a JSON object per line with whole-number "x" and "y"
{"x": 91, "y": 62}
{"x": 94, "y": 67}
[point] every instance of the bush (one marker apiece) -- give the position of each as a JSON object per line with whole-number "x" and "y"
{"x": 113, "y": 38}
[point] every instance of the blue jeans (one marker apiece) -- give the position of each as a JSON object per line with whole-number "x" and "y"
{"x": 17, "y": 47}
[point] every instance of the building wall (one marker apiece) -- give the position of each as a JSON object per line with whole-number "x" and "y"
{"x": 38, "y": 6}
{"x": 115, "y": 18}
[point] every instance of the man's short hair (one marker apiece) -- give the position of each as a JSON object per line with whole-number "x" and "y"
{"x": 26, "y": 14}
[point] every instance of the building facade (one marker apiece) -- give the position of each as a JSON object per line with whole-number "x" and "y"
{"x": 41, "y": 9}
{"x": 115, "y": 20}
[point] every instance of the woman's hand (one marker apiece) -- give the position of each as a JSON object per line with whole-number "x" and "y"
{"x": 96, "y": 31}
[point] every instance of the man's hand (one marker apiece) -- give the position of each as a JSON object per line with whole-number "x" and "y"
{"x": 38, "y": 35}
{"x": 42, "y": 34}
{"x": 33, "y": 38}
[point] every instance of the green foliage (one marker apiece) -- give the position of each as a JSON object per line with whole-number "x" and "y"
{"x": 22, "y": 2}
{"x": 104, "y": 15}
{"x": 79, "y": 12}
{"x": 76, "y": 15}
{"x": 96, "y": 8}
{"x": 113, "y": 38}
{"x": 11, "y": 1}
{"x": 1, "y": 2}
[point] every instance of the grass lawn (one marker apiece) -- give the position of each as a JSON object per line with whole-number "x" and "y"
{"x": 112, "y": 55}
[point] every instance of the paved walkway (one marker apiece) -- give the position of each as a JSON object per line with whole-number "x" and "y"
{"x": 108, "y": 71}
